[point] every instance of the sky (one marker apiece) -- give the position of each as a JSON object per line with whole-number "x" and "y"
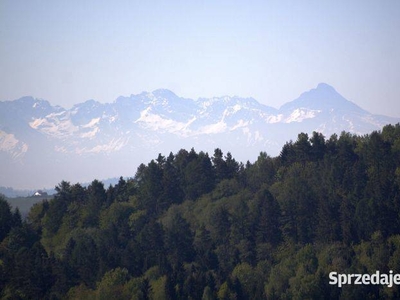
{"x": 67, "y": 52}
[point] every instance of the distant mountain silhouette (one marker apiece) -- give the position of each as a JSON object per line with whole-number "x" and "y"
{"x": 41, "y": 144}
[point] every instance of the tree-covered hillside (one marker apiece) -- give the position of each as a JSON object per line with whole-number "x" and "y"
{"x": 194, "y": 226}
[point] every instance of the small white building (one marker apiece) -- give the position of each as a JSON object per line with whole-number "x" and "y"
{"x": 39, "y": 193}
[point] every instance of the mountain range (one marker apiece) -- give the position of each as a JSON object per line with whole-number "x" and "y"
{"x": 41, "y": 144}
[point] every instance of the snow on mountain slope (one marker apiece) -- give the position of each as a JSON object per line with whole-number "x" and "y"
{"x": 134, "y": 129}
{"x": 12, "y": 146}
{"x": 56, "y": 125}
{"x": 301, "y": 114}
{"x": 152, "y": 121}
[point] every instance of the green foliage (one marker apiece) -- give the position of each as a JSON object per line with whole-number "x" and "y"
{"x": 82, "y": 258}
{"x": 247, "y": 278}
{"x": 188, "y": 226}
{"x": 178, "y": 238}
{"x": 112, "y": 285}
{"x": 81, "y": 292}
{"x": 25, "y": 204}
{"x": 5, "y": 218}
{"x": 198, "y": 176}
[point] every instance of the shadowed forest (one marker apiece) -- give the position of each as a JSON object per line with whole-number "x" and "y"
{"x": 194, "y": 226}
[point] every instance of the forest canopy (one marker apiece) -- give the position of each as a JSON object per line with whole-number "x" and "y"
{"x": 193, "y": 226}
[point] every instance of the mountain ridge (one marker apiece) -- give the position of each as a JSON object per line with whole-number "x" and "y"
{"x": 124, "y": 133}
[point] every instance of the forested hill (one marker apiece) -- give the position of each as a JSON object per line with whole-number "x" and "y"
{"x": 194, "y": 226}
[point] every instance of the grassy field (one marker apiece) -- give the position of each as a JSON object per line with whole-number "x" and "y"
{"x": 25, "y": 203}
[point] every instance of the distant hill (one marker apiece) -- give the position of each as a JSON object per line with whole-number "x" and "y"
{"x": 41, "y": 144}
{"x": 16, "y": 193}
{"x": 24, "y": 204}
{"x": 25, "y": 199}
{"x": 12, "y": 193}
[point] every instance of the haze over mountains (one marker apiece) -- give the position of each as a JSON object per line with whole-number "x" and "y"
{"x": 41, "y": 144}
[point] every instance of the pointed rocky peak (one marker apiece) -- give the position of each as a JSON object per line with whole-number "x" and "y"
{"x": 26, "y": 100}
{"x": 324, "y": 98}
{"x": 145, "y": 98}
{"x": 324, "y": 92}
{"x": 28, "y": 107}
{"x": 164, "y": 93}
{"x": 88, "y": 104}
{"x": 325, "y": 87}
{"x": 30, "y": 102}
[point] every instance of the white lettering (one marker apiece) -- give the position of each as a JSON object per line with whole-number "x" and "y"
{"x": 384, "y": 279}
{"x": 390, "y": 278}
{"x": 396, "y": 279}
{"x": 333, "y": 279}
{"x": 342, "y": 279}
{"x": 376, "y": 278}
{"x": 365, "y": 278}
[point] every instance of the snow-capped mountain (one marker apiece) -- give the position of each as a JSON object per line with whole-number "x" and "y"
{"x": 40, "y": 144}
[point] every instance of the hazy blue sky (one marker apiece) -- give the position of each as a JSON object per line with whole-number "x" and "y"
{"x": 71, "y": 51}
